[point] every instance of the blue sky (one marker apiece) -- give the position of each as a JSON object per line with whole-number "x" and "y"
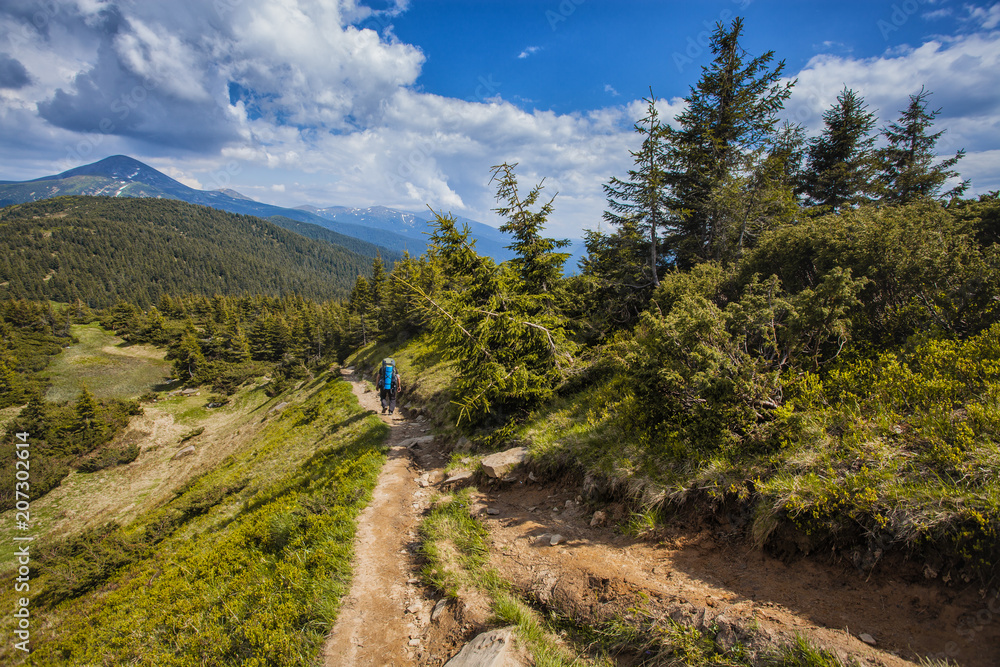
{"x": 408, "y": 103}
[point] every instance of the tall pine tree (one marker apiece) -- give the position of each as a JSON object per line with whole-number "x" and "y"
{"x": 717, "y": 152}
{"x": 840, "y": 166}
{"x": 907, "y": 164}
{"x": 641, "y": 201}
{"x": 536, "y": 261}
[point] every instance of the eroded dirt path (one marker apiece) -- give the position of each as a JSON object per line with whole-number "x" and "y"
{"x": 695, "y": 576}
{"x": 384, "y": 619}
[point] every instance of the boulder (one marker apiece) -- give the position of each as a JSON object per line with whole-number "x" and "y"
{"x": 498, "y": 465}
{"x": 494, "y": 648}
{"x": 459, "y": 476}
{"x": 422, "y": 441}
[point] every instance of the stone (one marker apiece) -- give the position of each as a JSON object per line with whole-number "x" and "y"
{"x": 703, "y": 618}
{"x": 187, "y": 451}
{"x": 494, "y": 648}
{"x": 867, "y": 638}
{"x": 459, "y": 476}
{"x": 556, "y": 539}
{"x": 414, "y": 642}
{"x": 412, "y": 443}
{"x": 598, "y": 519}
{"x": 435, "y": 476}
{"x": 543, "y": 539}
{"x": 498, "y": 465}
{"x": 492, "y": 511}
{"x": 439, "y": 608}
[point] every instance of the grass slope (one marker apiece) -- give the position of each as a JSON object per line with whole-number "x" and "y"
{"x": 106, "y": 366}
{"x": 244, "y": 565}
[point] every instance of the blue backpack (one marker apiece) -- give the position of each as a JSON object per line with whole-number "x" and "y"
{"x": 385, "y": 376}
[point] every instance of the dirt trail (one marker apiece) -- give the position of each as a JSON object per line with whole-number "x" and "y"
{"x": 696, "y": 576}
{"x": 384, "y": 619}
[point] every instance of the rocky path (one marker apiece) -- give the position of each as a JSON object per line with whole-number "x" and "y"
{"x": 384, "y": 618}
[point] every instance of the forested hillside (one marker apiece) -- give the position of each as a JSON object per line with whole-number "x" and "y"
{"x": 100, "y": 250}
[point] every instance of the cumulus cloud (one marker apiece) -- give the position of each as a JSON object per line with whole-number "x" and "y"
{"x": 183, "y": 75}
{"x": 987, "y": 17}
{"x": 320, "y": 97}
{"x": 13, "y": 74}
{"x": 959, "y": 71}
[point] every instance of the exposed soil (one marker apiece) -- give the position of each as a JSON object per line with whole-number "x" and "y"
{"x": 702, "y": 576}
{"x": 385, "y": 619}
{"x": 698, "y": 575}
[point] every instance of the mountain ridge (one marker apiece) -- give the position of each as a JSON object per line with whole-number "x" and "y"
{"x": 393, "y": 230}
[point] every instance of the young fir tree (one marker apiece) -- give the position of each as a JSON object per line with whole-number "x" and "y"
{"x": 641, "y": 201}
{"x": 616, "y": 265}
{"x": 840, "y": 164}
{"x": 377, "y": 288}
{"x": 716, "y": 153}
{"x": 360, "y": 303}
{"x": 907, "y": 164}
{"x": 510, "y": 351}
{"x": 537, "y": 263}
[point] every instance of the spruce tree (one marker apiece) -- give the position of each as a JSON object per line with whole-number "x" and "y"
{"x": 907, "y": 164}
{"x": 715, "y": 155}
{"x": 537, "y": 263}
{"x": 641, "y": 201}
{"x": 616, "y": 263}
{"x": 377, "y": 288}
{"x": 840, "y": 168}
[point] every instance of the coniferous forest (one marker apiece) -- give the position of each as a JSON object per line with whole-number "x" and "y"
{"x": 800, "y": 331}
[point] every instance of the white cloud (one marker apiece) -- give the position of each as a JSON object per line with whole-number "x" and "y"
{"x": 608, "y": 88}
{"x": 960, "y": 72}
{"x": 319, "y": 97}
{"x": 181, "y": 176}
{"x": 987, "y": 18}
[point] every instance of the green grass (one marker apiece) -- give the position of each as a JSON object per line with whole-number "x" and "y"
{"x": 127, "y": 371}
{"x": 456, "y": 548}
{"x": 246, "y": 566}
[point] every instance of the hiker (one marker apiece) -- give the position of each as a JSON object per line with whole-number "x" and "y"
{"x": 387, "y": 384}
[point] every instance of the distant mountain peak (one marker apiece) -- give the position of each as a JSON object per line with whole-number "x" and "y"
{"x": 123, "y": 169}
